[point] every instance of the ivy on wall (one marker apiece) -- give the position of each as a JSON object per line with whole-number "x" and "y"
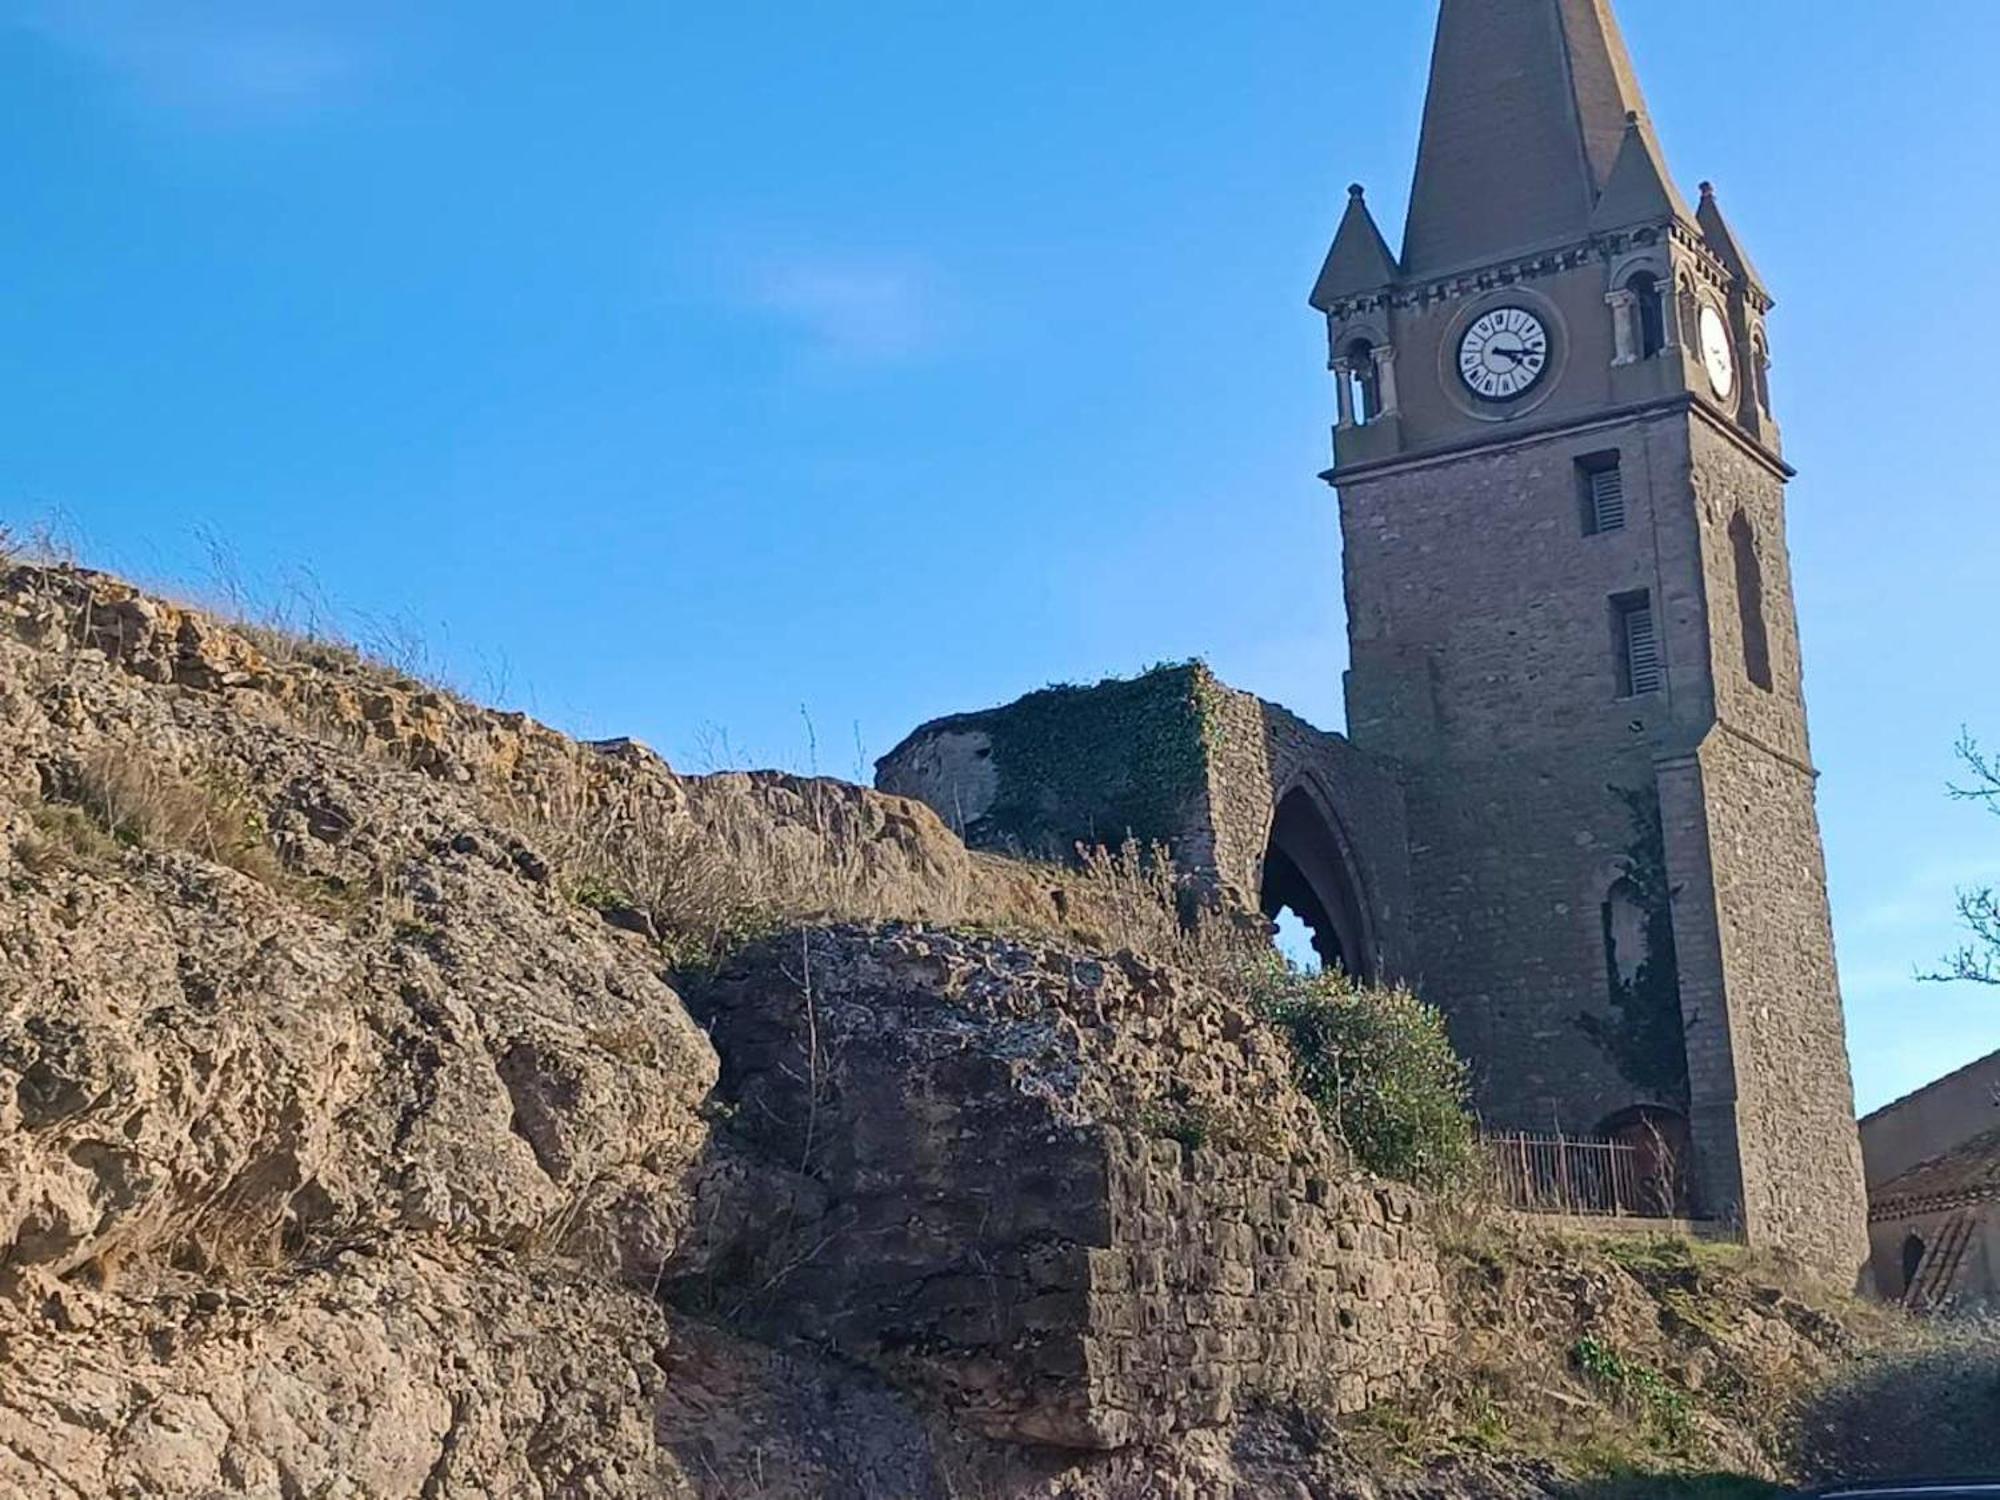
{"x": 1645, "y": 1035}
{"x": 1127, "y": 758}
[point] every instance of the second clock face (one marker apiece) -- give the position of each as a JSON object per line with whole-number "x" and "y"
{"x": 1717, "y": 352}
{"x": 1504, "y": 354}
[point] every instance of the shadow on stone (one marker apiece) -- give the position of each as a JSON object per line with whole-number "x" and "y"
{"x": 1931, "y": 1413}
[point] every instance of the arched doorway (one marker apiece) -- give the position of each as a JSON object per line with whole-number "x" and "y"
{"x": 1914, "y": 1251}
{"x": 1653, "y": 1180}
{"x": 1308, "y": 871}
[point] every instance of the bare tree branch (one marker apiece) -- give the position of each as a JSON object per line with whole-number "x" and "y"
{"x": 1985, "y": 784}
{"x": 1978, "y": 962}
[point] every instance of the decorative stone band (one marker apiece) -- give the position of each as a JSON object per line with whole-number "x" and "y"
{"x": 1891, "y": 1209}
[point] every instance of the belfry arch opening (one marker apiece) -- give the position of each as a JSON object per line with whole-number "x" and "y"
{"x": 1366, "y": 382}
{"x": 1651, "y": 309}
{"x": 1309, "y": 874}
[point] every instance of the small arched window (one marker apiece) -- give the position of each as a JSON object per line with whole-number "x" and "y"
{"x": 1651, "y": 313}
{"x": 1367, "y": 387}
{"x": 1690, "y": 315}
{"x": 1750, "y": 601}
{"x": 1760, "y": 357}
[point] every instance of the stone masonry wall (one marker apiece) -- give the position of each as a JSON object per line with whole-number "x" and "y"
{"x": 1068, "y": 766}
{"x": 1802, "y": 1181}
{"x": 1483, "y": 659}
{"x": 1237, "y": 1273}
{"x": 1079, "y": 1201}
{"x": 1799, "y": 1148}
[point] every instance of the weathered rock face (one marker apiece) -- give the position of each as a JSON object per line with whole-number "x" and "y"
{"x": 348, "y": 1149}
{"x": 331, "y": 1124}
{"x": 1077, "y": 1198}
{"x": 424, "y": 1371}
{"x": 401, "y": 1027}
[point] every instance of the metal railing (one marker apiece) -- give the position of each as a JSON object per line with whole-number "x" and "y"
{"x": 1583, "y": 1176}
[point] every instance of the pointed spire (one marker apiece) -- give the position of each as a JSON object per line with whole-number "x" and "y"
{"x": 1523, "y": 128}
{"x": 1640, "y": 190}
{"x": 1360, "y": 260}
{"x": 1722, "y": 240}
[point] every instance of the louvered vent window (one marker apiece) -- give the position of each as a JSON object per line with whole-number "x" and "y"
{"x": 1603, "y": 493}
{"x": 1607, "y": 499}
{"x": 1641, "y": 668}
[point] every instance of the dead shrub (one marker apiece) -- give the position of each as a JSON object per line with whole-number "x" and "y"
{"x": 1143, "y": 901}
{"x": 643, "y": 860}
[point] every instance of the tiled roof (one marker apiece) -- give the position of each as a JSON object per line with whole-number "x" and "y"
{"x": 1965, "y": 1174}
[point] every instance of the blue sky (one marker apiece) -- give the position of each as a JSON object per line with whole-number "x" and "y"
{"x": 762, "y": 379}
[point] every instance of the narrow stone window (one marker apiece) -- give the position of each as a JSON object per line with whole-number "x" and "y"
{"x": 1601, "y": 480}
{"x": 1651, "y": 311}
{"x": 1760, "y": 359}
{"x": 1750, "y": 602}
{"x": 1641, "y": 667}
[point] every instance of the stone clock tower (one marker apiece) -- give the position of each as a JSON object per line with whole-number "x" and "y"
{"x": 1562, "y": 497}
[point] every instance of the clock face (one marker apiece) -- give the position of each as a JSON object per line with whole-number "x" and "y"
{"x": 1718, "y": 351}
{"x": 1504, "y": 354}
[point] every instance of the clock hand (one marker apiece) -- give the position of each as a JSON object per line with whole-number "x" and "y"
{"x": 1517, "y": 355}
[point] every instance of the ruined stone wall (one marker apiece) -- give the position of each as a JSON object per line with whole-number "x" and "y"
{"x": 1069, "y": 766}
{"x": 1078, "y": 1200}
{"x": 1261, "y": 1278}
{"x": 1174, "y": 758}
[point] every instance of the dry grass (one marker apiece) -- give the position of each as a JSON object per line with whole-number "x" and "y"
{"x": 1138, "y": 898}
{"x": 643, "y": 859}
{"x": 141, "y": 801}
{"x": 1630, "y": 1364}
{"x": 714, "y": 862}
{"x": 126, "y": 797}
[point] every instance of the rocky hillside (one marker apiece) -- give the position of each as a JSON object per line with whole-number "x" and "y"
{"x": 400, "y": 1099}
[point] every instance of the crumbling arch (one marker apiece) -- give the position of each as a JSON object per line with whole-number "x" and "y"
{"x": 1309, "y": 867}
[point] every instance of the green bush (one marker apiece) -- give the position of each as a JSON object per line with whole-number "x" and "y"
{"x": 1380, "y": 1067}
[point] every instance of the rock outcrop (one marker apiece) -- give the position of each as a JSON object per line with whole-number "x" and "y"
{"x": 359, "y": 1138}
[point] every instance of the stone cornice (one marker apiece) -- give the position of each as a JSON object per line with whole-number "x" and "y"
{"x": 1922, "y": 1206}
{"x": 1470, "y": 281}
{"x": 1527, "y": 434}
